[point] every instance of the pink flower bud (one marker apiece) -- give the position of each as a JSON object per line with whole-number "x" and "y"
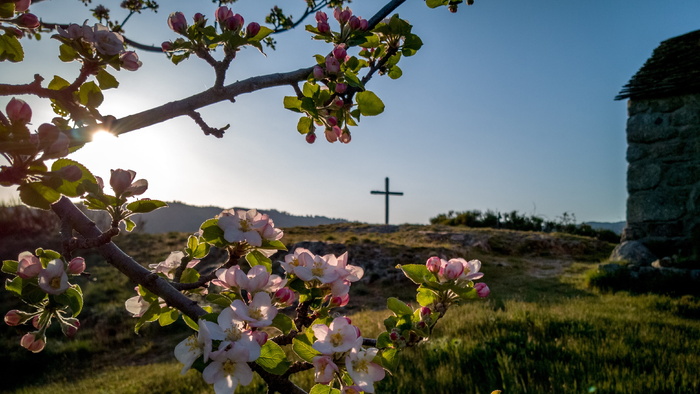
{"x": 332, "y": 121}
{"x": 345, "y": 137}
{"x": 35, "y": 321}
{"x": 252, "y": 30}
{"x": 30, "y": 21}
{"x": 33, "y": 342}
{"x": 354, "y": 23}
{"x": 318, "y": 72}
{"x": 452, "y": 270}
{"x": 76, "y": 266}
{"x": 29, "y": 266}
{"x": 70, "y": 327}
{"x": 425, "y": 311}
{"x": 331, "y": 136}
{"x": 223, "y": 13}
{"x": 14, "y": 31}
{"x": 199, "y": 18}
{"x": 13, "y": 318}
{"x": 343, "y": 16}
{"x": 433, "y": 264}
{"x": 22, "y": 5}
{"x": 260, "y": 337}
{"x": 120, "y": 180}
{"x": 18, "y": 111}
{"x": 234, "y": 23}
{"x": 311, "y": 138}
{"x": 285, "y": 295}
{"x": 482, "y": 289}
{"x": 421, "y": 325}
{"x": 166, "y": 46}
{"x": 177, "y": 22}
{"x": 340, "y": 87}
{"x": 321, "y": 16}
{"x": 323, "y": 27}
{"x": 332, "y": 65}
{"x": 130, "y": 61}
{"x": 394, "y": 335}
{"x": 341, "y": 301}
{"x": 339, "y": 52}
{"x": 339, "y": 102}
{"x": 364, "y": 24}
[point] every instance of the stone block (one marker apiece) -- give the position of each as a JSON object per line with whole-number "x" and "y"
{"x": 686, "y": 174}
{"x": 657, "y": 205}
{"x": 686, "y": 115}
{"x": 643, "y": 176}
{"x": 665, "y": 230}
{"x": 666, "y": 105}
{"x": 633, "y": 251}
{"x": 637, "y": 106}
{"x": 649, "y": 127}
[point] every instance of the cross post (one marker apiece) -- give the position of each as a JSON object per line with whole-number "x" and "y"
{"x": 386, "y": 194}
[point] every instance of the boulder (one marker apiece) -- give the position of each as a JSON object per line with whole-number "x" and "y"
{"x": 634, "y": 252}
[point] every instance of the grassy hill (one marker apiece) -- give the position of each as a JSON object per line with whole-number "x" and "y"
{"x": 542, "y": 330}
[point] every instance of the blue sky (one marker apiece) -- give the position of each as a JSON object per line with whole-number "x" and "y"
{"x": 509, "y": 106}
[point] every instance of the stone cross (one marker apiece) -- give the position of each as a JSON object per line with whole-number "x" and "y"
{"x": 386, "y": 194}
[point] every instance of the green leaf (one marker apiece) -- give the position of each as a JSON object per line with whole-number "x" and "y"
{"x": 436, "y": 3}
{"x": 196, "y": 249}
{"x": 389, "y": 358}
{"x": 390, "y": 322}
{"x": 67, "y": 53}
{"x": 213, "y": 234}
{"x": 145, "y": 205}
{"x": 305, "y": 125}
{"x": 398, "y": 307}
{"x": 310, "y": 89}
{"x": 130, "y": 225}
{"x": 353, "y": 81}
{"x": 151, "y": 314}
{"x": 190, "y": 323}
{"x": 425, "y": 296}
{"x": 301, "y": 345}
{"x": 218, "y": 299}
{"x": 384, "y": 340}
{"x": 412, "y": 43}
{"x": 369, "y": 103}
{"x": 72, "y": 188}
{"x": 168, "y": 316}
{"x": 275, "y": 244}
{"x": 14, "y": 285}
{"x": 189, "y": 275}
{"x": 292, "y": 103}
{"x": 90, "y": 95}
{"x": 283, "y": 323}
{"x": 7, "y": 10}
{"x": 58, "y": 83}
{"x": 273, "y": 359}
{"x": 323, "y": 389}
{"x": 72, "y": 298}
{"x": 10, "y": 48}
{"x": 257, "y": 258}
{"x": 417, "y": 273}
{"x": 10, "y": 267}
{"x": 395, "y": 72}
{"x": 106, "y": 80}
{"x": 38, "y": 195}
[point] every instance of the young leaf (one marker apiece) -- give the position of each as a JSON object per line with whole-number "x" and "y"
{"x": 389, "y": 358}
{"x": 257, "y": 258}
{"x": 151, "y": 314}
{"x": 145, "y": 206}
{"x": 305, "y": 125}
{"x": 168, "y": 316}
{"x": 323, "y": 389}
{"x": 10, "y": 267}
{"x": 106, "y": 80}
{"x": 213, "y": 234}
{"x": 398, "y": 307}
{"x": 369, "y": 103}
{"x": 301, "y": 345}
{"x": 10, "y": 48}
{"x": 416, "y": 272}
{"x": 283, "y": 323}
{"x": 38, "y": 195}
{"x": 273, "y": 359}
{"x": 90, "y": 95}
{"x": 425, "y": 296}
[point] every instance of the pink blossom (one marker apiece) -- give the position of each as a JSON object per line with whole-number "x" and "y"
{"x": 242, "y": 226}
{"x": 70, "y": 326}
{"x": 13, "y": 317}
{"x": 362, "y": 370}
{"x": 259, "y": 313}
{"x": 340, "y": 301}
{"x": 324, "y": 369}
{"x": 33, "y": 342}
{"x": 311, "y": 138}
{"x": 332, "y": 65}
{"x": 255, "y": 280}
{"x": 53, "y": 278}
{"x": 252, "y": 30}
{"x": 321, "y": 16}
{"x": 285, "y": 296}
{"x": 223, "y": 13}
{"x": 340, "y": 336}
{"x": 166, "y": 46}
{"x": 18, "y": 111}
{"x": 229, "y": 278}
{"x": 452, "y": 270}
{"x": 339, "y": 52}
{"x": 318, "y": 269}
{"x": 192, "y": 347}
{"x": 29, "y": 21}
{"x": 29, "y": 265}
{"x": 351, "y": 390}
{"x": 234, "y": 23}
{"x": 433, "y": 264}
{"x": 341, "y": 87}
{"x": 260, "y": 337}
{"x": 482, "y": 289}
{"x": 130, "y": 61}
{"x": 323, "y": 27}
{"x": 234, "y": 331}
{"x": 199, "y": 18}
{"x": 76, "y": 266}
{"x": 341, "y": 15}
{"x": 120, "y": 180}
{"x": 105, "y": 41}
{"x": 228, "y": 369}
{"x": 177, "y": 22}
{"x": 300, "y": 258}
{"x": 73, "y": 31}
{"x": 318, "y": 72}
{"x": 332, "y": 121}
{"x": 471, "y": 269}
{"x": 345, "y": 138}
{"x": 22, "y": 5}
{"x": 425, "y": 312}
{"x": 136, "y": 305}
{"x": 171, "y": 264}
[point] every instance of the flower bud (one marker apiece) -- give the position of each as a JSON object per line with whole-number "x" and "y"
{"x": 318, "y": 72}
{"x": 339, "y": 52}
{"x": 338, "y": 102}
{"x": 345, "y": 137}
{"x": 330, "y": 135}
{"x": 70, "y": 326}
{"x": 433, "y": 264}
{"x": 425, "y": 312}
{"x": 260, "y": 337}
{"x": 394, "y": 335}
{"x": 340, "y": 301}
{"x": 166, "y": 46}
{"x": 311, "y": 138}
{"x": 136, "y": 188}
{"x": 35, "y": 321}
{"x": 354, "y": 23}
{"x": 76, "y": 266}
{"x": 332, "y": 65}
{"x": 340, "y": 87}
{"x": 323, "y": 27}
{"x": 332, "y": 121}
{"x": 199, "y": 18}
{"x": 30, "y": 21}
{"x": 482, "y": 289}
{"x": 252, "y": 30}
{"x": 120, "y": 180}
{"x": 223, "y": 13}
{"x": 364, "y": 24}
{"x": 421, "y": 325}
{"x": 18, "y": 111}
{"x": 343, "y": 16}
{"x": 285, "y": 295}
{"x": 29, "y": 266}
{"x": 13, "y": 318}
{"x": 130, "y": 61}
{"x": 177, "y": 22}
{"x": 22, "y": 5}
{"x": 234, "y": 23}
{"x": 321, "y": 16}
{"x": 452, "y": 270}
{"x": 33, "y": 342}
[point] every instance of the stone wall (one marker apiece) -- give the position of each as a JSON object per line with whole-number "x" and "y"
{"x": 663, "y": 177}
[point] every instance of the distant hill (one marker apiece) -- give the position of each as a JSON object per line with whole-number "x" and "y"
{"x": 617, "y": 227}
{"x": 187, "y": 218}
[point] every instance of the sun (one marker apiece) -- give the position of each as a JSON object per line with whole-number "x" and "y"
{"x": 103, "y": 138}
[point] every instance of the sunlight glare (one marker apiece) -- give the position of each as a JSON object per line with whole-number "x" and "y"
{"x": 103, "y": 137}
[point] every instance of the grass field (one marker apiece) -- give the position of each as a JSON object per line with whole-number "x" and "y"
{"x": 541, "y": 331}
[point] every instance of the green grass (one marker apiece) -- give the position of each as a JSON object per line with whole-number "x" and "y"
{"x": 542, "y": 330}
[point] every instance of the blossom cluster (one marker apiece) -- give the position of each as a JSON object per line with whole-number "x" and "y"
{"x": 251, "y": 227}
{"x": 97, "y": 41}
{"x": 48, "y": 138}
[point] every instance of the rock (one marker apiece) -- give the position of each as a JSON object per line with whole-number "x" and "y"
{"x": 634, "y": 252}
{"x": 663, "y": 262}
{"x": 609, "y": 268}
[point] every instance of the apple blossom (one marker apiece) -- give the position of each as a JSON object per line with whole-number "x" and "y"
{"x": 259, "y": 313}
{"x": 340, "y": 87}
{"x": 345, "y": 137}
{"x": 73, "y": 31}
{"x": 53, "y": 278}
{"x": 194, "y": 346}
{"x": 233, "y": 331}
{"x": 18, "y": 111}
{"x": 228, "y": 369}
{"x": 136, "y": 305}
{"x": 301, "y": 257}
{"x": 260, "y": 337}
{"x": 318, "y": 72}
{"x": 130, "y": 61}
{"x": 351, "y": 390}
{"x": 321, "y": 16}
{"x": 332, "y": 65}
{"x": 340, "y": 301}
{"x": 340, "y": 53}
{"x": 362, "y": 370}
{"x": 285, "y": 296}
{"x": 229, "y": 277}
{"x": 234, "y": 22}
{"x": 199, "y": 18}
{"x": 29, "y": 266}
{"x": 318, "y": 269}
{"x": 222, "y": 13}
{"x": 177, "y": 22}
{"x": 242, "y": 226}
{"x": 324, "y": 369}
{"x": 482, "y": 289}
{"x": 166, "y": 46}
{"x": 120, "y": 180}
{"x": 471, "y": 269}
{"x": 323, "y": 27}
{"x": 341, "y": 15}
{"x": 332, "y": 134}
{"x": 76, "y": 266}
{"x": 256, "y": 279}
{"x": 69, "y": 326}
{"x": 340, "y": 336}
{"x": 452, "y": 270}
{"x": 433, "y": 264}
{"x": 332, "y": 121}
{"x": 33, "y": 341}
{"x": 171, "y": 264}
{"x": 105, "y": 41}
{"x": 425, "y": 312}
